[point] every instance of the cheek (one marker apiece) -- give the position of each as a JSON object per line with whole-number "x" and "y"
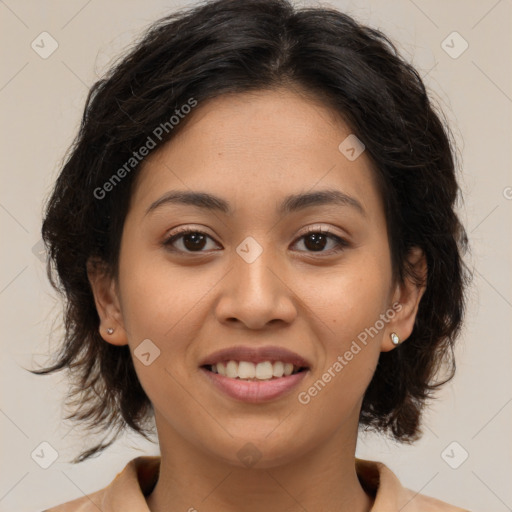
{"x": 158, "y": 308}
{"x": 349, "y": 354}
{"x": 349, "y": 297}
{"x": 164, "y": 303}
{"x": 347, "y": 304}
{"x": 158, "y": 297}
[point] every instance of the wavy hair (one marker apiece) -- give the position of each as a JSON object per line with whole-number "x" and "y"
{"x": 230, "y": 46}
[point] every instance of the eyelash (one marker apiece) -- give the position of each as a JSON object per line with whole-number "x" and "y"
{"x": 340, "y": 242}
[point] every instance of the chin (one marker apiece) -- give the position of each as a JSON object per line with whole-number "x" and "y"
{"x": 258, "y": 452}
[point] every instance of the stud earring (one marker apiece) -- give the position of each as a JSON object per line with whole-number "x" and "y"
{"x": 394, "y": 338}
{"x": 110, "y": 330}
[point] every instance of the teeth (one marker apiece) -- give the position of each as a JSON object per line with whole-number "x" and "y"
{"x": 246, "y": 370}
{"x": 232, "y": 370}
{"x": 221, "y": 368}
{"x": 278, "y": 369}
{"x": 264, "y": 371}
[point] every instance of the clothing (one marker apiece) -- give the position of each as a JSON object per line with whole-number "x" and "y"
{"x": 127, "y": 491}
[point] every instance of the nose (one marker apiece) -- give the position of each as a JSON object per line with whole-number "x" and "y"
{"x": 257, "y": 294}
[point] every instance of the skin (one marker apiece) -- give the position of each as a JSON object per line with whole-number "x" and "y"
{"x": 252, "y": 150}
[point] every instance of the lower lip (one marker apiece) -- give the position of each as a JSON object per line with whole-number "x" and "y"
{"x": 254, "y": 391}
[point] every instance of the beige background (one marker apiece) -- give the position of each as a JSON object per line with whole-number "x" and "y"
{"x": 41, "y": 102}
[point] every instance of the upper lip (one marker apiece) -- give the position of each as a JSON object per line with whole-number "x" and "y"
{"x": 255, "y": 355}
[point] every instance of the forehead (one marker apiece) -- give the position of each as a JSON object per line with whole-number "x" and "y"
{"x": 260, "y": 144}
{"x": 282, "y": 121}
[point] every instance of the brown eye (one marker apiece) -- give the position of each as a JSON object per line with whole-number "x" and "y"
{"x": 194, "y": 241}
{"x": 316, "y": 240}
{"x": 190, "y": 240}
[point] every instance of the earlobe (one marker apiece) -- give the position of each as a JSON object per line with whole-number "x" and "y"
{"x": 104, "y": 289}
{"x": 408, "y": 294}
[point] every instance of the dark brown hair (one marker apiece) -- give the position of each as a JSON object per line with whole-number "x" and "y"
{"x": 230, "y": 46}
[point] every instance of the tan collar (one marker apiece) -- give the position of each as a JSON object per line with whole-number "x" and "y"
{"x": 128, "y": 490}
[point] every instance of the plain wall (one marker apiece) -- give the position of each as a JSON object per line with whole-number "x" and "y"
{"x": 41, "y": 102}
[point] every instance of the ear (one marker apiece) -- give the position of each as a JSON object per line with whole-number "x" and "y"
{"x": 406, "y": 299}
{"x": 106, "y": 298}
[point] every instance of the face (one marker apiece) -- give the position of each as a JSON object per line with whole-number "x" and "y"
{"x": 264, "y": 273}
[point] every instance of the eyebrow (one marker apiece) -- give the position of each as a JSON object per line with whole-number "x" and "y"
{"x": 290, "y": 204}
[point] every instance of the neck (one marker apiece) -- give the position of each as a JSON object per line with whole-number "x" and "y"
{"x": 322, "y": 479}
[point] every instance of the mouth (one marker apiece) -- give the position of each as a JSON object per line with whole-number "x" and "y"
{"x": 251, "y": 372}
{"x": 254, "y": 375}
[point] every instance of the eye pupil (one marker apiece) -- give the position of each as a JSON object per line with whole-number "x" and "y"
{"x": 318, "y": 239}
{"x": 196, "y": 238}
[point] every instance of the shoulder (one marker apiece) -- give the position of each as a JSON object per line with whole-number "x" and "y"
{"x": 422, "y": 503}
{"x": 88, "y": 503}
{"x": 126, "y": 491}
{"x": 391, "y": 495}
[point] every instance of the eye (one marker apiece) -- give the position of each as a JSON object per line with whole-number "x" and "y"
{"x": 315, "y": 240}
{"x": 191, "y": 240}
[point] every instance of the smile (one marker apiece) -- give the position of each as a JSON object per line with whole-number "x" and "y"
{"x": 254, "y": 390}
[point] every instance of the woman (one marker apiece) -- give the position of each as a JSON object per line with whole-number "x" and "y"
{"x": 253, "y": 233}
